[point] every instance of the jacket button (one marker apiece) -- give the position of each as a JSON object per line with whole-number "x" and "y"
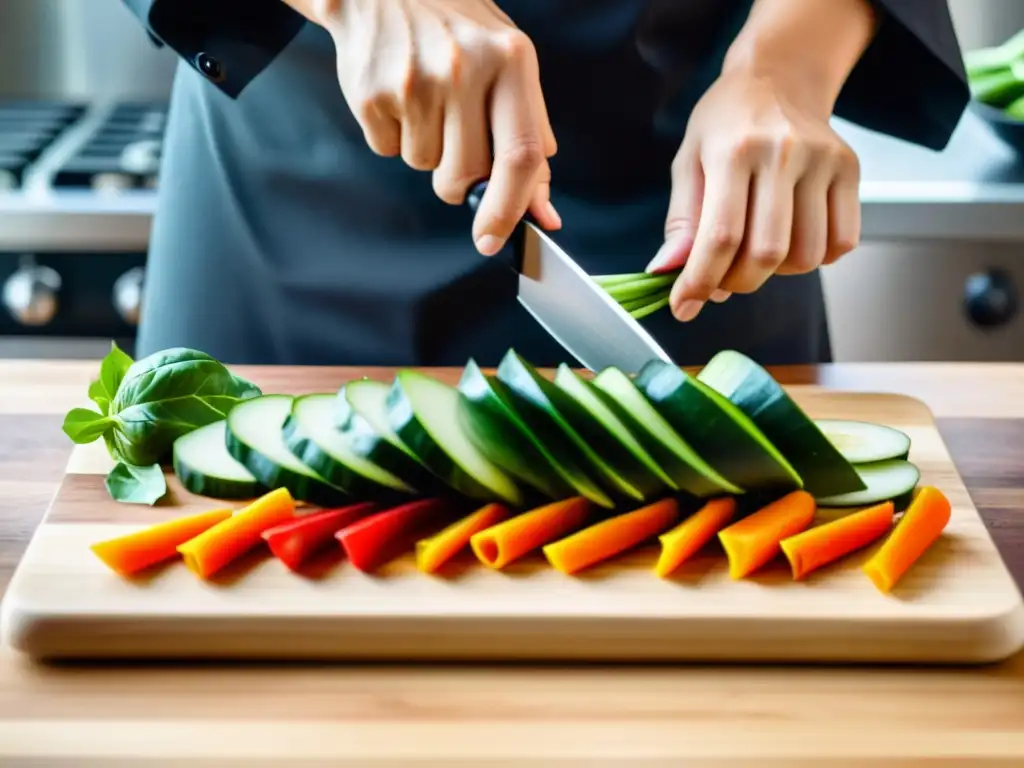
{"x": 211, "y": 68}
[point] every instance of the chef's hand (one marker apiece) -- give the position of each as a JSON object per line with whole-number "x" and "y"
{"x": 762, "y": 185}
{"x": 441, "y": 83}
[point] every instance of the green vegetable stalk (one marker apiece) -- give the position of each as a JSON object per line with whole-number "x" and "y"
{"x": 639, "y": 293}
{"x": 145, "y": 406}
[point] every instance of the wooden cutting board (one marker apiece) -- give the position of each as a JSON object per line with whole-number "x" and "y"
{"x": 958, "y": 604}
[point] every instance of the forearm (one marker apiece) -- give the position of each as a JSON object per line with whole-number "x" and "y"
{"x": 811, "y": 46}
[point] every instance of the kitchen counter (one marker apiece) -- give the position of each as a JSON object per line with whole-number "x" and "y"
{"x": 478, "y": 715}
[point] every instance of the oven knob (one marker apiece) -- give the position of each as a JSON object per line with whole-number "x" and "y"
{"x": 128, "y": 295}
{"x": 990, "y": 298}
{"x": 30, "y": 294}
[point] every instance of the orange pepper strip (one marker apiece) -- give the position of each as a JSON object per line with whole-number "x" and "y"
{"x": 225, "y": 542}
{"x": 922, "y": 523}
{"x": 435, "y": 551}
{"x": 134, "y": 551}
{"x": 826, "y": 543}
{"x": 500, "y": 544}
{"x": 610, "y": 537}
{"x": 687, "y": 538}
{"x": 753, "y": 541}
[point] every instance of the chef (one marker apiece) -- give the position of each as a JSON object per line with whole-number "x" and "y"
{"x": 311, "y": 203}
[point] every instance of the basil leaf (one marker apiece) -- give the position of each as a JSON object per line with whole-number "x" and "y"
{"x": 112, "y": 371}
{"x": 167, "y": 395}
{"x": 83, "y": 425}
{"x": 136, "y": 485}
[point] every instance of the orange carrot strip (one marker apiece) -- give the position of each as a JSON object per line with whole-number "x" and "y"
{"x": 500, "y": 544}
{"x": 610, "y": 537}
{"x": 211, "y": 550}
{"x": 134, "y": 551}
{"x": 922, "y": 523}
{"x": 753, "y": 541}
{"x": 435, "y": 551}
{"x": 687, "y": 538}
{"x": 826, "y": 543}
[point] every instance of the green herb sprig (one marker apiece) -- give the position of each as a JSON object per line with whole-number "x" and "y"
{"x": 145, "y": 406}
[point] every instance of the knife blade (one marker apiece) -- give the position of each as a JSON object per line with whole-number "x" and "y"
{"x": 571, "y": 307}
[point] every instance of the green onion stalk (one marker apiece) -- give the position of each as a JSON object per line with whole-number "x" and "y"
{"x": 639, "y": 293}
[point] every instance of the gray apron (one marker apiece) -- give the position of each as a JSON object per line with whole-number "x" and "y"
{"x": 282, "y": 239}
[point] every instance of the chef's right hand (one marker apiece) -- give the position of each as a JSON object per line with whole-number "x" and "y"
{"x": 441, "y": 82}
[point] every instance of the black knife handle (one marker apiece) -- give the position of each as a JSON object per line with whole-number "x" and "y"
{"x": 512, "y": 254}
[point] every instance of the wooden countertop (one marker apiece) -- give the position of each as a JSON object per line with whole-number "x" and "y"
{"x": 448, "y": 715}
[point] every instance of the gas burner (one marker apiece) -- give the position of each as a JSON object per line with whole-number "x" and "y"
{"x": 27, "y": 129}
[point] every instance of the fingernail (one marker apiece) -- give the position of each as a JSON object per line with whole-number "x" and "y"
{"x": 549, "y": 209}
{"x": 689, "y": 309}
{"x": 488, "y": 245}
{"x": 669, "y": 253}
{"x": 719, "y": 296}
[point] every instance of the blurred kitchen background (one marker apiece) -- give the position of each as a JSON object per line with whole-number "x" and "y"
{"x": 82, "y": 109}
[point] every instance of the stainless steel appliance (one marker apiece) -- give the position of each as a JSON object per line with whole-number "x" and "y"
{"x": 940, "y": 274}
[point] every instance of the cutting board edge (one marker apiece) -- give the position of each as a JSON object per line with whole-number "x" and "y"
{"x": 982, "y": 640}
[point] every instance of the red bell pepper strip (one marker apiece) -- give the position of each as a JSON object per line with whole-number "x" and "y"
{"x": 373, "y": 541}
{"x": 294, "y": 541}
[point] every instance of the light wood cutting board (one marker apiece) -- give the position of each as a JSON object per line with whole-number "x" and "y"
{"x": 958, "y": 604}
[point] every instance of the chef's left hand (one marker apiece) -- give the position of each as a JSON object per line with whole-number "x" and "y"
{"x": 761, "y": 186}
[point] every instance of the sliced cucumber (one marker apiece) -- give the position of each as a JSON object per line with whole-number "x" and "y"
{"x": 862, "y": 442}
{"x": 502, "y": 436}
{"x": 893, "y": 480}
{"x": 424, "y": 413}
{"x": 203, "y": 465}
{"x": 542, "y": 406}
{"x": 753, "y": 391}
{"x": 255, "y": 437}
{"x": 610, "y": 436}
{"x": 675, "y": 456}
{"x": 312, "y": 437}
{"x": 361, "y": 412}
{"x": 717, "y": 429}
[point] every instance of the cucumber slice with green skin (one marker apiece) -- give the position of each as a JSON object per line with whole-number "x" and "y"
{"x": 893, "y": 480}
{"x": 721, "y": 432}
{"x": 822, "y": 467}
{"x": 361, "y": 412}
{"x": 611, "y": 438}
{"x": 542, "y": 407}
{"x": 688, "y": 470}
{"x": 255, "y": 438}
{"x": 203, "y": 465}
{"x": 425, "y": 414}
{"x": 502, "y": 437}
{"x": 313, "y": 439}
{"x": 862, "y": 442}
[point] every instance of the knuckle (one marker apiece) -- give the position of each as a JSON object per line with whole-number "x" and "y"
{"x": 524, "y": 156}
{"x": 767, "y": 256}
{"x": 725, "y": 239}
{"x": 515, "y": 45}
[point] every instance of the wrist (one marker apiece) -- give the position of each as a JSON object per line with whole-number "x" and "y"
{"x": 807, "y": 48}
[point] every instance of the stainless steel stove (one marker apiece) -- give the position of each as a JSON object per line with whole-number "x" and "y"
{"x": 77, "y": 192}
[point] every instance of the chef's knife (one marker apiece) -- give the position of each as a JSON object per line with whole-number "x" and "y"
{"x": 571, "y": 307}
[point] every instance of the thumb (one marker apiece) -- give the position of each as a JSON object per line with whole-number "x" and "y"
{"x": 683, "y": 214}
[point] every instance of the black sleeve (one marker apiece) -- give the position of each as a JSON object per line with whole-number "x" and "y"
{"x": 229, "y": 41}
{"x": 910, "y": 83}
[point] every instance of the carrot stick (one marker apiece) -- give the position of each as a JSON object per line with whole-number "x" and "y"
{"x": 922, "y": 523}
{"x": 435, "y": 551}
{"x": 826, "y": 543}
{"x": 134, "y": 551}
{"x": 610, "y": 537}
{"x": 753, "y": 541}
{"x": 211, "y": 550}
{"x": 687, "y": 538}
{"x": 500, "y": 544}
